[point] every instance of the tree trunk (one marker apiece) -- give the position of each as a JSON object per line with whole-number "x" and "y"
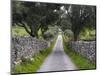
{"x": 30, "y": 32}
{"x": 76, "y": 36}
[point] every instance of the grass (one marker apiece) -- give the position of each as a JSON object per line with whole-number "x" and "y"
{"x": 19, "y": 31}
{"x": 34, "y": 65}
{"x": 81, "y": 62}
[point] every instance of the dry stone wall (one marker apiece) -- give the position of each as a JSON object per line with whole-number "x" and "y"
{"x": 26, "y": 47}
{"x": 85, "y": 48}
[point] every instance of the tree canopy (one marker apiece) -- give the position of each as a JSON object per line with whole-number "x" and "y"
{"x": 34, "y": 16}
{"x": 81, "y": 16}
{"x": 78, "y": 17}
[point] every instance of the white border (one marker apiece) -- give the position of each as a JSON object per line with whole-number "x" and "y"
{"x": 5, "y": 37}
{"x": 88, "y": 2}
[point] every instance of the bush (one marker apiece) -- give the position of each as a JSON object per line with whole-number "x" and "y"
{"x": 88, "y": 34}
{"x": 48, "y": 35}
{"x": 69, "y": 34}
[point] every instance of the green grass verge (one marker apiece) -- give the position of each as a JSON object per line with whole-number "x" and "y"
{"x": 80, "y": 62}
{"x": 19, "y": 31}
{"x": 33, "y": 66}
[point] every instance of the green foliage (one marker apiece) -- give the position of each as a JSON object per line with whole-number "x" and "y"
{"x": 51, "y": 33}
{"x": 40, "y": 35}
{"x": 88, "y": 34}
{"x": 19, "y": 31}
{"x": 33, "y": 16}
{"x": 80, "y": 17}
{"x": 81, "y": 62}
{"x": 48, "y": 35}
{"x": 35, "y": 64}
{"x": 69, "y": 34}
{"x": 65, "y": 24}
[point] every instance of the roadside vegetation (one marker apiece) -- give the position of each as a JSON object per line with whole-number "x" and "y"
{"x": 19, "y": 31}
{"x": 88, "y": 34}
{"x": 34, "y": 65}
{"x": 80, "y": 61}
